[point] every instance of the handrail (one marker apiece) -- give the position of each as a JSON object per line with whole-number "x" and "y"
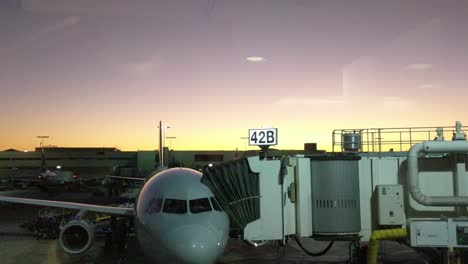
{"x": 391, "y": 139}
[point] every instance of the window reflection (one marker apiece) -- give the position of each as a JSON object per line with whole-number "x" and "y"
{"x": 154, "y": 206}
{"x": 175, "y": 206}
{"x": 200, "y": 205}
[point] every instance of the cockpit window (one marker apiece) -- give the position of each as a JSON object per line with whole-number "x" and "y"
{"x": 200, "y": 205}
{"x": 215, "y": 204}
{"x": 175, "y": 206}
{"x": 154, "y": 206}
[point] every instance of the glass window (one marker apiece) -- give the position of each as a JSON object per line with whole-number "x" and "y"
{"x": 200, "y": 205}
{"x": 175, "y": 206}
{"x": 154, "y": 206}
{"x": 215, "y": 204}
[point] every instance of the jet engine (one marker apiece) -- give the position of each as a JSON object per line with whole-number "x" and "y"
{"x": 77, "y": 236}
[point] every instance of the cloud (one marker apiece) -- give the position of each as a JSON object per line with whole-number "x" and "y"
{"x": 397, "y": 104}
{"x": 10, "y": 4}
{"x": 144, "y": 68}
{"x": 315, "y": 104}
{"x": 311, "y": 101}
{"x": 39, "y": 31}
{"x": 388, "y": 103}
{"x": 428, "y": 86}
{"x": 63, "y": 24}
{"x": 255, "y": 59}
{"x": 419, "y": 66}
{"x": 59, "y": 25}
{"x": 118, "y": 8}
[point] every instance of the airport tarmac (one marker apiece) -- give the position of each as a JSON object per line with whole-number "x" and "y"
{"x": 17, "y": 245}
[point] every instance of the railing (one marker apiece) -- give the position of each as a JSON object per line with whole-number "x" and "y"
{"x": 391, "y": 139}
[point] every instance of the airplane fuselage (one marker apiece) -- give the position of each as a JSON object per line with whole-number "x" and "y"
{"x": 178, "y": 219}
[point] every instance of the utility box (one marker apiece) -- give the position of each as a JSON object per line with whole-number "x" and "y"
{"x": 439, "y": 232}
{"x": 429, "y": 233}
{"x": 390, "y": 210}
{"x": 458, "y": 232}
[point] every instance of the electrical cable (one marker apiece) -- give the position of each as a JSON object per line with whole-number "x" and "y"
{"x": 318, "y": 254}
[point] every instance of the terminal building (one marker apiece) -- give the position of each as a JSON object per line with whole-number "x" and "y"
{"x": 94, "y": 161}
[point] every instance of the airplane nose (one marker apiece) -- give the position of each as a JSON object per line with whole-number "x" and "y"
{"x": 195, "y": 244}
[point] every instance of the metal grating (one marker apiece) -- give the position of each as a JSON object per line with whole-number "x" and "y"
{"x": 335, "y": 196}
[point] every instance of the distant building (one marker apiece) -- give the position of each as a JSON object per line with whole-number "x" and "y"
{"x": 102, "y": 161}
{"x": 78, "y": 150}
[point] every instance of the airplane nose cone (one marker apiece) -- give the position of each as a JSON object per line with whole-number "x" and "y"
{"x": 195, "y": 244}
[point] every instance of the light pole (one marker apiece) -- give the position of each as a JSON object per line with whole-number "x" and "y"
{"x": 41, "y": 146}
{"x": 245, "y": 142}
{"x": 42, "y": 140}
{"x": 162, "y": 132}
{"x": 170, "y": 141}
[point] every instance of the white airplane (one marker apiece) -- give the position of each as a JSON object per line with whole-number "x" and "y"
{"x": 51, "y": 179}
{"x": 58, "y": 177}
{"x": 177, "y": 219}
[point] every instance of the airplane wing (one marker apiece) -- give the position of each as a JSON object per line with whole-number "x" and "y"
{"x": 127, "y": 178}
{"x": 114, "y": 177}
{"x": 26, "y": 180}
{"x": 70, "y": 205}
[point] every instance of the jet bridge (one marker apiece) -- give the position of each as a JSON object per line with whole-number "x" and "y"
{"x": 270, "y": 199}
{"x": 254, "y": 194}
{"x": 237, "y": 189}
{"x": 417, "y": 195}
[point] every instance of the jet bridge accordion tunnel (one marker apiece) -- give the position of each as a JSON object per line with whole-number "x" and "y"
{"x": 237, "y": 189}
{"x": 272, "y": 199}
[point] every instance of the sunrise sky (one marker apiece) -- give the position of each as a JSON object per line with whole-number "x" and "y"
{"x": 103, "y": 73}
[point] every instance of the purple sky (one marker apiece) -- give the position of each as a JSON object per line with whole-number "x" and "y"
{"x": 104, "y": 72}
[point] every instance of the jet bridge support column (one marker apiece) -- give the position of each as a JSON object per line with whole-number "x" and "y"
{"x": 460, "y": 182}
{"x": 300, "y": 168}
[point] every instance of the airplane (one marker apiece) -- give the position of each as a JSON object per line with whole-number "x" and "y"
{"x": 58, "y": 178}
{"x": 177, "y": 219}
{"x": 50, "y": 179}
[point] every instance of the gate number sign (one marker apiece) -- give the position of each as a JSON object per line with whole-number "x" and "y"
{"x": 263, "y": 137}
